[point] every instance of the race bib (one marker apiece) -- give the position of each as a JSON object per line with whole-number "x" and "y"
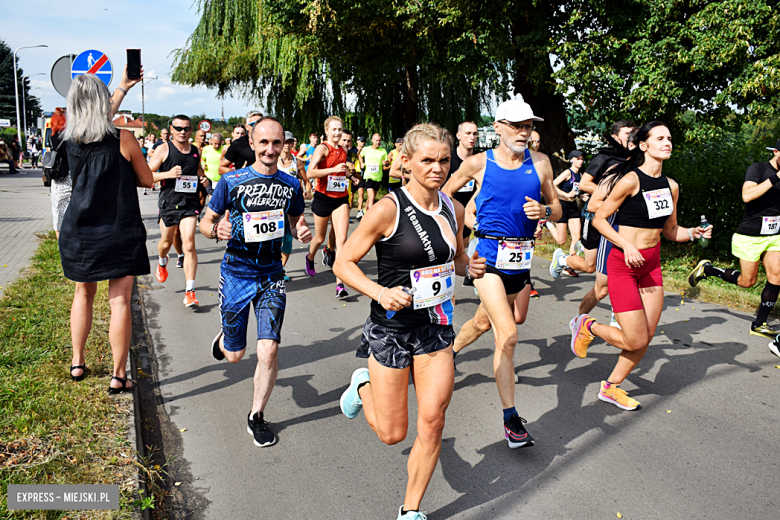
{"x": 575, "y": 188}
{"x": 468, "y": 187}
{"x": 186, "y": 184}
{"x": 659, "y": 203}
{"x": 372, "y": 168}
{"x": 433, "y": 285}
{"x": 515, "y": 255}
{"x": 337, "y": 183}
{"x": 770, "y": 225}
{"x": 260, "y": 226}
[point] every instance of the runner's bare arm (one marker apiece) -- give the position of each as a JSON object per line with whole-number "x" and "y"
{"x": 395, "y": 169}
{"x": 625, "y": 188}
{"x": 564, "y": 176}
{"x": 471, "y": 168}
{"x": 586, "y": 183}
{"x": 224, "y": 165}
{"x": 672, "y": 229}
{"x": 158, "y": 158}
{"x": 320, "y": 153}
{"x": 223, "y": 231}
{"x": 751, "y": 190}
{"x": 301, "y": 227}
{"x": 118, "y": 96}
{"x": 474, "y": 265}
{"x": 130, "y": 150}
{"x": 533, "y": 210}
{"x": 377, "y": 223}
{"x": 305, "y": 184}
{"x": 470, "y": 215}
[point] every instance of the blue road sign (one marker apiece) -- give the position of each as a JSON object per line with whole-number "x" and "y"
{"x": 93, "y": 62}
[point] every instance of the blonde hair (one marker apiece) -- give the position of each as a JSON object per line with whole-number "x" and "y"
{"x": 89, "y": 111}
{"x": 331, "y": 119}
{"x": 421, "y": 133}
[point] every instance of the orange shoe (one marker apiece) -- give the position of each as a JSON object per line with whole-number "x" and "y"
{"x": 580, "y": 335}
{"x": 190, "y": 300}
{"x": 162, "y": 273}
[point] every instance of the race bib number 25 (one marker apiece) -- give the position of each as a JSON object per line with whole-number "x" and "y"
{"x": 515, "y": 255}
{"x": 260, "y": 226}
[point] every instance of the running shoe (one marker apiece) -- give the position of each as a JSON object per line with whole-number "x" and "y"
{"x": 328, "y": 257}
{"x": 580, "y": 336}
{"x": 613, "y": 322}
{"x": 698, "y": 273}
{"x": 534, "y": 292}
{"x": 763, "y": 330}
{"x": 350, "y": 401}
{"x": 617, "y": 396}
{"x": 286, "y": 278}
{"x": 310, "y": 267}
{"x": 571, "y": 272}
{"x": 341, "y": 291}
{"x": 161, "y": 273}
{"x": 190, "y": 300}
{"x": 412, "y": 515}
{"x": 359, "y": 214}
{"x": 468, "y": 281}
{"x": 258, "y": 428}
{"x": 515, "y": 433}
{"x": 180, "y": 262}
{"x": 773, "y": 346}
{"x": 579, "y": 249}
{"x": 215, "y": 350}
{"x": 144, "y": 191}
{"x": 556, "y": 266}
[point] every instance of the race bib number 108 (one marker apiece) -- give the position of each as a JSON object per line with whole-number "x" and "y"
{"x": 260, "y": 226}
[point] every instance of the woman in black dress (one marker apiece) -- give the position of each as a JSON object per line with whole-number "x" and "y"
{"x": 102, "y": 236}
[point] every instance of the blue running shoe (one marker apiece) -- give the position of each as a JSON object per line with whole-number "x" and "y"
{"x": 286, "y": 278}
{"x": 556, "y": 266}
{"x": 350, "y": 400}
{"x": 412, "y": 515}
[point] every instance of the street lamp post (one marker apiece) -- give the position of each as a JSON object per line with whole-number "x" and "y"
{"x": 16, "y": 90}
{"x": 143, "y": 107}
{"x": 24, "y": 98}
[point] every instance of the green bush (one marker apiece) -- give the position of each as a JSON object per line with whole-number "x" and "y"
{"x": 7, "y": 135}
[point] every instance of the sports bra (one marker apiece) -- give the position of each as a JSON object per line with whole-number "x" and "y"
{"x": 651, "y": 206}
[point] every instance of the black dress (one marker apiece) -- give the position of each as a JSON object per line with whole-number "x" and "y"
{"x": 102, "y": 235}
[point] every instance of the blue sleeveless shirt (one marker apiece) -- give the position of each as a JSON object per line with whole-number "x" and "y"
{"x": 500, "y": 204}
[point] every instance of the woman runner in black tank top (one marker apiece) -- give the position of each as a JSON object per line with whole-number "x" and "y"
{"x": 647, "y": 201}
{"x": 419, "y": 249}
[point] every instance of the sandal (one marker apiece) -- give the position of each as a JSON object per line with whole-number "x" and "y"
{"x": 123, "y": 388}
{"x": 83, "y": 369}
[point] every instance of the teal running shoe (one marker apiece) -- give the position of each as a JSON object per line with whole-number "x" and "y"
{"x": 350, "y": 402}
{"x": 412, "y": 515}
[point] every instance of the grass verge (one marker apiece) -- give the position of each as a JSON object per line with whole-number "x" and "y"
{"x": 677, "y": 261}
{"x": 53, "y": 430}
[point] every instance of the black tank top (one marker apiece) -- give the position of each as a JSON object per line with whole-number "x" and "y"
{"x": 189, "y": 162}
{"x": 568, "y": 184}
{"x": 654, "y": 195}
{"x": 420, "y": 239}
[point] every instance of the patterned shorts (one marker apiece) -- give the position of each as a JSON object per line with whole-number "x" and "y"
{"x": 394, "y": 348}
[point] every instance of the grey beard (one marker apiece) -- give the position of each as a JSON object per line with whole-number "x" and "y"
{"x": 516, "y": 149}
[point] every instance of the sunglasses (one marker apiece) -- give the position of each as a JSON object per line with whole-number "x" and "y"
{"x": 252, "y": 124}
{"x": 517, "y": 127}
{"x": 182, "y": 128}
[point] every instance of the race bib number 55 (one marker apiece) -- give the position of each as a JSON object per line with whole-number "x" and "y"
{"x": 260, "y": 226}
{"x": 433, "y": 285}
{"x": 515, "y": 255}
{"x": 186, "y": 184}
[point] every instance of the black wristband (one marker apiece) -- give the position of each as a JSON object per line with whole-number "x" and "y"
{"x": 774, "y": 179}
{"x": 214, "y": 231}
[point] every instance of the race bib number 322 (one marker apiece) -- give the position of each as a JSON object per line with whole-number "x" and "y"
{"x": 433, "y": 285}
{"x": 186, "y": 184}
{"x": 515, "y": 255}
{"x": 260, "y": 226}
{"x": 659, "y": 203}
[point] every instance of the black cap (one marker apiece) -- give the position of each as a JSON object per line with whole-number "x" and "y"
{"x": 361, "y": 138}
{"x": 399, "y": 140}
{"x": 573, "y": 154}
{"x": 776, "y": 147}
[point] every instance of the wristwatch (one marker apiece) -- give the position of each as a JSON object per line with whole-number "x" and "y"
{"x": 547, "y": 211}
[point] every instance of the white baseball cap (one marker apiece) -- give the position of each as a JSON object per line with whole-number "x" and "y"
{"x": 515, "y": 110}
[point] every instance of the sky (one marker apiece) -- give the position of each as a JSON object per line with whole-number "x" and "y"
{"x": 157, "y": 28}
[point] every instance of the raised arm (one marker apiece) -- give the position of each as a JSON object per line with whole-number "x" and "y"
{"x": 471, "y": 169}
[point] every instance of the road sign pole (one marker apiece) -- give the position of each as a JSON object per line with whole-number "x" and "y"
{"x": 143, "y": 111}
{"x": 16, "y": 90}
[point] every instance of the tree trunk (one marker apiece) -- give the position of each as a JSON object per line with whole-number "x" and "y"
{"x": 410, "y": 106}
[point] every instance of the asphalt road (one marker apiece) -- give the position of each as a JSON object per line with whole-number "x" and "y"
{"x": 703, "y": 445}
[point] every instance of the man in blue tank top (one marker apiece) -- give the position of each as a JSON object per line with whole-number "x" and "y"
{"x": 507, "y": 220}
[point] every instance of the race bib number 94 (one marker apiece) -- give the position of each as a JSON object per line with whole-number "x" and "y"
{"x": 659, "y": 203}
{"x": 515, "y": 255}
{"x": 186, "y": 184}
{"x": 433, "y": 285}
{"x": 770, "y": 225}
{"x": 337, "y": 183}
{"x": 260, "y": 226}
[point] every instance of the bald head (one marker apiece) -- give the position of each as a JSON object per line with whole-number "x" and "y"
{"x": 267, "y": 140}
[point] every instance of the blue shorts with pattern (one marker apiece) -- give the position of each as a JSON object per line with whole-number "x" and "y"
{"x": 394, "y": 348}
{"x": 237, "y": 291}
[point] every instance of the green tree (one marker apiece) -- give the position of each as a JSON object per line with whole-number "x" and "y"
{"x": 7, "y": 92}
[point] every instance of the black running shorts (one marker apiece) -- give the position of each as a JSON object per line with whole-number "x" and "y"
{"x": 394, "y": 348}
{"x": 324, "y": 206}
{"x": 513, "y": 283}
{"x": 373, "y": 185}
{"x": 172, "y": 217}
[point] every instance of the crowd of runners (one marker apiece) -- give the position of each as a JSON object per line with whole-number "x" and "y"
{"x": 449, "y": 212}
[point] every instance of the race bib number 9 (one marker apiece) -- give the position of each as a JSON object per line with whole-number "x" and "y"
{"x": 260, "y": 226}
{"x": 337, "y": 183}
{"x": 659, "y": 203}
{"x": 469, "y": 187}
{"x": 770, "y": 225}
{"x": 433, "y": 285}
{"x": 186, "y": 184}
{"x": 372, "y": 168}
{"x": 515, "y": 255}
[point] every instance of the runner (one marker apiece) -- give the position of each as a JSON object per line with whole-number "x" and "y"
{"x": 395, "y": 177}
{"x": 647, "y": 201}
{"x": 374, "y": 158}
{"x": 240, "y": 153}
{"x": 361, "y": 186}
{"x": 200, "y": 140}
{"x": 757, "y": 240}
{"x": 415, "y": 231}
{"x": 331, "y": 199}
{"x": 307, "y": 150}
{"x": 567, "y": 184}
{"x": 467, "y": 135}
{"x": 507, "y": 222}
{"x": 212, "y": 155}
{"x": 178, "y": 201}
{"x": 290, "y": 165}
{"x": 254, "y": 201}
